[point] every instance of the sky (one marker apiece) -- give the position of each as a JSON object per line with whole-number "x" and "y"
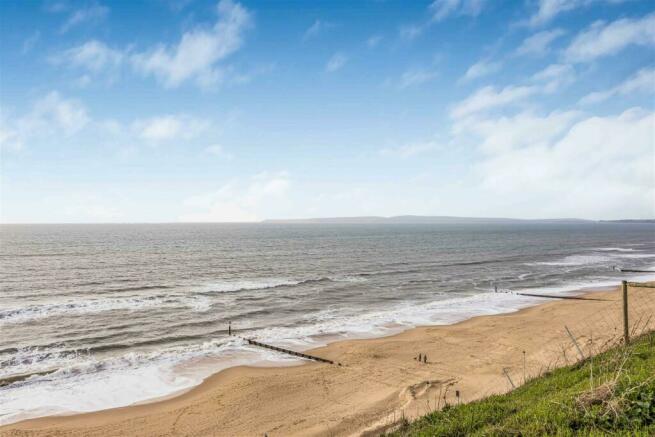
{"x": 206, "y": 111}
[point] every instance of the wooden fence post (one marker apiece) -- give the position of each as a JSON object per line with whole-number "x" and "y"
{"x": 626, "y": 331}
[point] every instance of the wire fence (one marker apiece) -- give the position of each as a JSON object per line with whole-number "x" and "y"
{"x": 592, "y": 324}
{"x": 613, "y": 321}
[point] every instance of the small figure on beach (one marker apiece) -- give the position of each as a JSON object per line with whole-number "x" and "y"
{"x": 495, "y": 288}
{"x": 229, "y": 328}
{"x": 419, "y": 358}
{"x": 425, "y": 358}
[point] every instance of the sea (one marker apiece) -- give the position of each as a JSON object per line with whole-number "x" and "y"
{"x": 108, "y": 315}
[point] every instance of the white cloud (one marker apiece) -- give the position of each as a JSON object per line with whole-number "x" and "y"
{"x": 410, "y": 150}
{"x": 50, "y": 115}
{"x": 83, "y": 81}
{"x": 411, "y": 31}
{"x": 336, "y": 62}
{"x": 480, "y": 69}
{"x": 373, "y": 41}
{"x": 539, "y": 43}
{"x": 504, "y": 134}
{"x": 315, "y": 29}
{"x": 441, "y": 9}
{"x": 55, "y": 7}
{"x": 267, "y": 184}
{"x": 90, "y": 14}
{"x": 30, "y": 42}
{"x": 197, "y": 57}
{"x": 218, "y": 151}
{"x": 415, "y": 77}
{"x": 66, "y": 114}
{"x": 556, "y": 168}
{"x": 56, "y": 120}
{"x": 489, "y": 97}
{"x": 168, "y": 128}
{"x": 548, "y": 80}
{"x": 93, "y": 55}
{"x": 603, "y": 39}
{"x": 10, "y": 138}
{"x": 555, "y": 77}
{"x": 239, "y": 202}
{"x": 549, "y": 9}
{"x": 642, "y": 81}
{"x": 199, "y": 51}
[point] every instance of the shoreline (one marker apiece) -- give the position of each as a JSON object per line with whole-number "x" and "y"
{"x": 377, "y": 375}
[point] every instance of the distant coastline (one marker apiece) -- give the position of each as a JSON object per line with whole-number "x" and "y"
{"x": 629, "y": 221}
{"x": 417, "y": 219}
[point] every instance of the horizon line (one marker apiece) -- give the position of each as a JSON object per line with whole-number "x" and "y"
{"x": 316, "y": 220}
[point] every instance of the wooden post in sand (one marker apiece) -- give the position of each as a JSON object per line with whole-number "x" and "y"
{"x": 626, "y": 331}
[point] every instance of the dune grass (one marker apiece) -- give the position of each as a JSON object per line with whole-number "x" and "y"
{"x": 611, "y": 394}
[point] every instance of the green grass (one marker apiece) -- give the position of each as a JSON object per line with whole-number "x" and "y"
{"x": 563, "y": 402}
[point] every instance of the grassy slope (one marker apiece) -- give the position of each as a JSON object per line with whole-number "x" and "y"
{"x": 562, "y": 402}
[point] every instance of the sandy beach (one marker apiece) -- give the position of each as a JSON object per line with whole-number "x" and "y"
{"x": 378, "y": 381}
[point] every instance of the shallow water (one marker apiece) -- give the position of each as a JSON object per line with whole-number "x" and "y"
{"x": 126, "y": 313}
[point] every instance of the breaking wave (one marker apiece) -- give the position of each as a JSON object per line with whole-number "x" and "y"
{"x": 40, "y": 311}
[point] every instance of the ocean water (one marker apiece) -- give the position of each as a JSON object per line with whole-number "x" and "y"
{"x": 127, "y": 313}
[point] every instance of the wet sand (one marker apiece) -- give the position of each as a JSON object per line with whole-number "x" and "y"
{"x": 379, "y": 380}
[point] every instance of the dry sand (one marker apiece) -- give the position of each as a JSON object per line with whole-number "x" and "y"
{"x": 378, "y": 381}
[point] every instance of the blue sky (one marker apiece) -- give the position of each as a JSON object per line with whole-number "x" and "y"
{"x": 164, "y": 111}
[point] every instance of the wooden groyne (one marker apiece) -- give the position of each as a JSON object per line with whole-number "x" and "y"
{"x": 548, "y": 296}
{"x": 288, "y": 351}
{"x": 23, "y": 376}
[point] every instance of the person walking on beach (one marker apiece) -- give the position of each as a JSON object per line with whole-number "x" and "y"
{"x": 229, "y": 328}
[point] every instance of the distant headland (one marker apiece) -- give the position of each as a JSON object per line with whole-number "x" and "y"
{"x": 418, "y": 219}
